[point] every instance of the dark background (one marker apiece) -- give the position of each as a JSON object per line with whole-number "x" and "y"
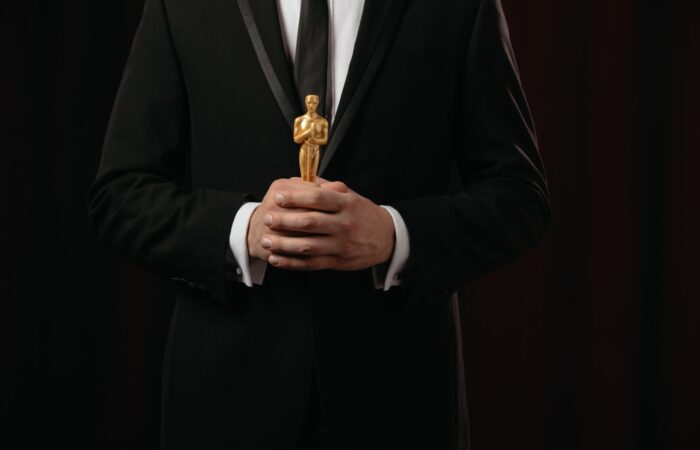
{"x": 588, "y": 342}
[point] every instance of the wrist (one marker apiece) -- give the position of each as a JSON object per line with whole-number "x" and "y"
{"x": 388, "y": 236}
{"x": 252, "y": 226}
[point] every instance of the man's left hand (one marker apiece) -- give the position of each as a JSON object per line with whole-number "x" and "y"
{"x": 332, "y": 227}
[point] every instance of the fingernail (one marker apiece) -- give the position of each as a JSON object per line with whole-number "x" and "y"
{"x": 267, "y": 220}
{"x": 279, "y": 198}
{"x": 274, "y": 260}
{"x": 266, "y": 243}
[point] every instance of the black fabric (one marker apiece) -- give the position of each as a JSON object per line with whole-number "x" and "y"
{"x": 197, "y": 130}
{"x": 377, "y": 29}
{"x": 261, "y": 21}
{"x": 311, "y": 61}
{"x": 314, "y": 433}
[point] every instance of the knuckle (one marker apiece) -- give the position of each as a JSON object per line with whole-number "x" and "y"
{"x": 346, "y": 224}
{"x": 306, "y": 222}
{"x": 316, "y": 197}
{"x": 351, "y": 200}
{"x": 306, "y": 249}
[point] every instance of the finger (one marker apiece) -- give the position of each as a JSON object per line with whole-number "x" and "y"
{"x": 318, "y": 199}
{"x": 301, "y": 246}
{"x": 310, "y": 222}
{"x": 303, "y": 263}
{"x": 337, "y": 186}
{"x": 318, "y": 180}
{"x": 284, "y": 233}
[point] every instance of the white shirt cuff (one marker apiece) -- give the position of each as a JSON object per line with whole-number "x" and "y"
{"x": 249, "y": 271}
{"x": 399, "y": 257}
{"x": 252, "y": 272}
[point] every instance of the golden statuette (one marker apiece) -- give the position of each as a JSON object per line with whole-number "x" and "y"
{"x": 311, "y": 131}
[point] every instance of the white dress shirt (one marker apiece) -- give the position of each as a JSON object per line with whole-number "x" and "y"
{"x": 344, "y": 22}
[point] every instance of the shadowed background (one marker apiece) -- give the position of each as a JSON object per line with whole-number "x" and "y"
{"x": 588, "y": 342}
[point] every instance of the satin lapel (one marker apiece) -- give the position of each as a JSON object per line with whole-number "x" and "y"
{"x": 262, "y": 22}
{"x": 380, "y": 19}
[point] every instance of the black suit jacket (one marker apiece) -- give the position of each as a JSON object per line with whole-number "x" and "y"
{"x": 202, "y": 123}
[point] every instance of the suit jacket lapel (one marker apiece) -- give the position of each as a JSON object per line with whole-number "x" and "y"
{"x": 262, "y": 22}
{"x": 380, "y": 19}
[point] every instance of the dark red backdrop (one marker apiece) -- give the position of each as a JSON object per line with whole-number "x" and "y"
{"x": 589, "y": 342}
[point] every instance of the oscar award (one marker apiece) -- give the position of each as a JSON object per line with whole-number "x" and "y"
{"x": 311, "y": 131}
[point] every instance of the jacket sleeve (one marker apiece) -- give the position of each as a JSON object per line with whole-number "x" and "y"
{"x": 140, "y": 203}
{"x": 502, "y": 208}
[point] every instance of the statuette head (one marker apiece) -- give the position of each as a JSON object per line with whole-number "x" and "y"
{"x": 312, "y": 102}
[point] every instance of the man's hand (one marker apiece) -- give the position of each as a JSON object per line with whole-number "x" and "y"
{"x": 307, "y": 226}
{"x": 257, "y": 229}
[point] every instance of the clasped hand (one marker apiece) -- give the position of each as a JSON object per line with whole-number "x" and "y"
{"x": 301, "y": 225}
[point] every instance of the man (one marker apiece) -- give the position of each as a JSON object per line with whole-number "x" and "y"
{"x": 319, "y": 314}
